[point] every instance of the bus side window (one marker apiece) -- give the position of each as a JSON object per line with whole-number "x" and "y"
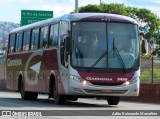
{"x": 53, "y": 39}
{"x": 11, "y": 43}
{"x": 19, "y": 42}
{"x": 44, "y": 37}
{"x": 26, "y": 40}
{"x": 35, "y": 37}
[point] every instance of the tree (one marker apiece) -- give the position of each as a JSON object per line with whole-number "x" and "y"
{"x": 113, "y": 8}
{"x": 149, "y": 21}
{"x": 90, "y": 8}
{"x": 146, "y": 19}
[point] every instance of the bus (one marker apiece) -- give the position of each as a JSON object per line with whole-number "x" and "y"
{"x": 94, "y": 55}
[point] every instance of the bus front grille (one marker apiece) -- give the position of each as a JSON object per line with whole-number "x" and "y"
{"x": 105, "y": 91}
{"x": 106, "y": 84}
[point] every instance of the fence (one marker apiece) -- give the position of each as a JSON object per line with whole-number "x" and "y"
{"x": 150, "y": 71}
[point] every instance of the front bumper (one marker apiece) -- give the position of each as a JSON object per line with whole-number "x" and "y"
{"x": 79, "y": 89}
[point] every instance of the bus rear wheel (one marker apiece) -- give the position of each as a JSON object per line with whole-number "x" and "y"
{"x": 27, "y": 95}
{"x": 33, "y": 95}
{"x": 24, "y": 94}
{"x": 113, "y": 100}
{"x": 58, "y": 99}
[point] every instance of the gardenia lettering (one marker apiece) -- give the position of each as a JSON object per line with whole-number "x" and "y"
{"x": 102, "y": 79}
{"x": 17, "y": 62}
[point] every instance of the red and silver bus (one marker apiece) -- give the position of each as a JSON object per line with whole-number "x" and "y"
{"x": 77, "y": 55}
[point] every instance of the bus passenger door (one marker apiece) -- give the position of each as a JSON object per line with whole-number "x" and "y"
{"x": 64, "y": 33}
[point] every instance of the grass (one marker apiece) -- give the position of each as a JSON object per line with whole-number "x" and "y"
{"x": 146, "y": 76}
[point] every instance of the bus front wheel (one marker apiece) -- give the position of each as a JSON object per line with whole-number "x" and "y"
{"x": 58, "y": 99}
{"x": 113, "y": 100}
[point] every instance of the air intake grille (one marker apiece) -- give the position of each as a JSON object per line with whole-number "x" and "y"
{"x": 106, "y": 84}
{"x": 106, "y": 91}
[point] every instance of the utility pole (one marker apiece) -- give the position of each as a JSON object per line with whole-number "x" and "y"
{"x": 76, "y": 6}
{"x": 100, "y": 2}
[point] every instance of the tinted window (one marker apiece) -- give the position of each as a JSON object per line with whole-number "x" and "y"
{"x": 19, "y": 42}
{"x": 11, "y": 43}
{"x": 35, "y": 37}
{"x": 64, "y": 27}
{"x": 44, "y": 37}
{"x": 92, "y": 48}
{"x": 53, "y": 40}
{"x": 26, "y": 40}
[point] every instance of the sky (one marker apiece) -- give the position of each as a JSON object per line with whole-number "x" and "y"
{"x": 11, "y": 9}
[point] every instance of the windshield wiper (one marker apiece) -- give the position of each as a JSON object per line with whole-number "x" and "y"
{"x": 119, "y": 57}
{"x": 98, "y": 60}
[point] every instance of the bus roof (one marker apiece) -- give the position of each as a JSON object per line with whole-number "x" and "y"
{"x": 97, "y": 17}
{"x": 101, "y": 17}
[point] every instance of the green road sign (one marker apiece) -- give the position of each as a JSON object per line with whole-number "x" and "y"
{"x": 32, "y": 16}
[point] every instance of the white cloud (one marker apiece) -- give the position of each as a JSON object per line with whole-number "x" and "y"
{"x": 6, "y": 3}
{"x": 12, "y": 18}
{"x": 154, "y": 10}
{"x": 26, "y": 1}
{"x": 157, "y": 1}
{"x": 59, "y": 10}
{"x": 86, "y": 2}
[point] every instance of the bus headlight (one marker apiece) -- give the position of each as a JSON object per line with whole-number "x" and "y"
{"x": 84, "y": 82}
{"x": 127, "y": 83}
{"x": 133, "y": 80}
{"x": 80, "y": 80}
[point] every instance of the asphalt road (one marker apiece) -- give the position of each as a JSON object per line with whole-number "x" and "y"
{"x": 83, "y": 107}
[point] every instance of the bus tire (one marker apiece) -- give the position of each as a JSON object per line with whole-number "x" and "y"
{"x": 24, "y": 94}
{"x": 58, "y": 99}
{"x": 74, "y": 99}
{"x": 27, "y": 95}
{"x": 51, "y": 83}
{"x": 113, "y": 100}
{"x": 32, "y": 95}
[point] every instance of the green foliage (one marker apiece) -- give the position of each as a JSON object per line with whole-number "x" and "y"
{"x": 150, "y": 20}
{"x": 113, "y": 8}
{"x": 156, "y": 52}
{"x": 148, "y": 57}
{"x": 146, "y": 19}
{"x": 89, "y": 8}
{"x": 143, "y": 56}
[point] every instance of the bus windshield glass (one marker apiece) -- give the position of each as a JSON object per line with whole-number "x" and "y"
{"x": 94, "y": 44}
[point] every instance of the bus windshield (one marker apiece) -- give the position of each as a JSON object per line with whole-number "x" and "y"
{"x": 94, "y": 43}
